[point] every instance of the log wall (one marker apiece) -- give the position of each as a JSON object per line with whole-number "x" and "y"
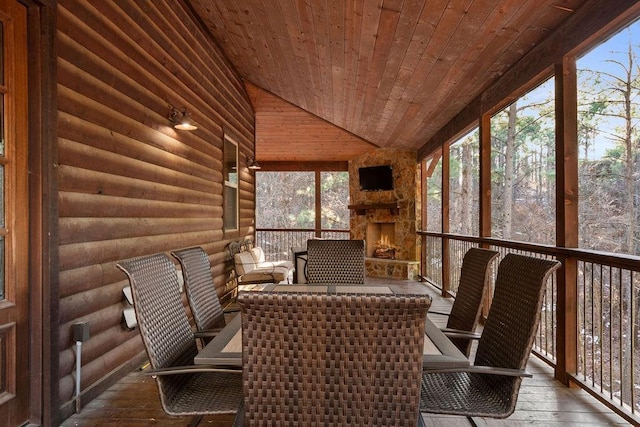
{"x": 129, "y": 184}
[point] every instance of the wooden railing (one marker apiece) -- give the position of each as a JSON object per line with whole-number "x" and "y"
{"x": 590, "y": 320}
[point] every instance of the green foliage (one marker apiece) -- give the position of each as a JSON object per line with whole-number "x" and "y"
{"x": 305, "y": 219}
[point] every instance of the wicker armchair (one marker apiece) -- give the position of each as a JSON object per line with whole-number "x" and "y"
{"x": 333, "y": 360}
{"x": 207, "y": 311}
{"x": 335, "y": 261}
{"x": 185, "y": 389}
{"x": 467, "y": 307}
{"x": 490, "y": 387}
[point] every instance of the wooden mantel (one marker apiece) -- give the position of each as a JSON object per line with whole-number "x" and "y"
{"x": 363, "y": 208}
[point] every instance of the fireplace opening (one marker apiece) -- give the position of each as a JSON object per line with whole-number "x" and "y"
{"x": 381, "y": 237}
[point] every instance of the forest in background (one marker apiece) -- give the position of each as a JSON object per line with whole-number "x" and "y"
{"x": 523, "y": 160}
{"x": 286, "y": 200}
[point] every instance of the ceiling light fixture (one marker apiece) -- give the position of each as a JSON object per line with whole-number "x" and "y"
{"x": 181, "y": 119}
{"x": 253, "y": 164}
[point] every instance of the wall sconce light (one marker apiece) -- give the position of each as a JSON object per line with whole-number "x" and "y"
{"x": 181, "y": 119}
{"x": 253, "y": 164}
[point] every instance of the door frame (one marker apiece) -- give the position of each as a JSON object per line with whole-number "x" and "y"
{"x": 43, "y": 212}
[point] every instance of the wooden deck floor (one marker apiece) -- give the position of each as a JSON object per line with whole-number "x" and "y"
{"x": 134, "y": 401}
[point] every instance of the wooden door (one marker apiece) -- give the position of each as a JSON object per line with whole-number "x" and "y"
{"x": 14, "y": 325}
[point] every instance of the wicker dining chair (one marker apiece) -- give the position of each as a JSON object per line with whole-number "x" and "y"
{"x": 467, "y": 306}
{"x": 332, "y": 360}
{"x": 185, "y": 388}
{"x": 335, "y": 261}
{"x": 490, "y": 387}
{"x": 207, "y": 311}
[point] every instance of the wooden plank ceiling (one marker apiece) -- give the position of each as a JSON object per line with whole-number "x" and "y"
{"x": 307, "y": 137}
{"x": 390, "y": 72}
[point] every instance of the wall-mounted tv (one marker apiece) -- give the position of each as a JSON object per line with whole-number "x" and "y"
{"x": 376, "y": 178}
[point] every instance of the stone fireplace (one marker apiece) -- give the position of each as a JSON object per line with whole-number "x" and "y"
{"x": 388, "y": 220}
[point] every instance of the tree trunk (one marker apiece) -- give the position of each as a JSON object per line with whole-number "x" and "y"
{"x": 466, "y": 187}
{"x": 509, "y": 170}
{"x": 629, "y": 160}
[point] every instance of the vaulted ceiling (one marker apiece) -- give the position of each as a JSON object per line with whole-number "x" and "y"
{"x": 387, "y": 72}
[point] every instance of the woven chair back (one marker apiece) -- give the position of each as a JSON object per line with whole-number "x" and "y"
{"x": 201, "y": 293}
{"x": 162, "y": 319}
{"x": 335, "y": 261}
{"x": 474, "y": 281}
{"x": 317, "y": 359}
{"x": 506, "y": 342}
{"x": 509, "y": 332}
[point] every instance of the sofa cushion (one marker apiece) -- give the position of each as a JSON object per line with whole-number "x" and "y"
{"x": 274, "y": 275}
{"x": 258, "y": 255}
{"x": 244, "y": 263}
{"x": 271, "y": 264}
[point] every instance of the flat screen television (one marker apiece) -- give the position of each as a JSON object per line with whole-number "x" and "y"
{"x": 376, "y": 178}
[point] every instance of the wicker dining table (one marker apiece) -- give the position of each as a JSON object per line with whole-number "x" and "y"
{"x": 226, "y": 347}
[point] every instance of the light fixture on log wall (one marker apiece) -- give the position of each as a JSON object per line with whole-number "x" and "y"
{"x": 253, "y": 164}
{"x": 181, "y": 119}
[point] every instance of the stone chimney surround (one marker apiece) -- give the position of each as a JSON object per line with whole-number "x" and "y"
{"x": 391, "y": 218}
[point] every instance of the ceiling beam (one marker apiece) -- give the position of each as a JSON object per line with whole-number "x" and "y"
{"x": 279, "y": 166}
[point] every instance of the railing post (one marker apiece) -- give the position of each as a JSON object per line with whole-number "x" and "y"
{"x": 566, "y": 215}
{"x": 446, "y": 268}
{"x": 446, "y": 260}
{"x": 318, "y": 194}
{"x": 567, "y": 316}
{"x": 485, "y": 193}
{"x": 423, "y": 218}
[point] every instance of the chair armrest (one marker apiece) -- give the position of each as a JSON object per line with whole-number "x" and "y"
{"x": 191, "y": 369}
{"x": 206, "y": 333}
{"x": 488, "y": 370}
{"x": 239, "y": 419}
{"x": 457, "y": 333}
{"x": 264, "y": 267}
{"x": 438, "y": 313}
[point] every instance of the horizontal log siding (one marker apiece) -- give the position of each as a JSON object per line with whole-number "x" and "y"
{"x": 129, "y": 184}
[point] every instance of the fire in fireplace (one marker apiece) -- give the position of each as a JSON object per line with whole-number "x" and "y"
{"x": 384, "y": 249}
{"x": 380, "y": 240}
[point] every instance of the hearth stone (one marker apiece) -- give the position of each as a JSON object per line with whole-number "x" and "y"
{"x": 392, "y": 268}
